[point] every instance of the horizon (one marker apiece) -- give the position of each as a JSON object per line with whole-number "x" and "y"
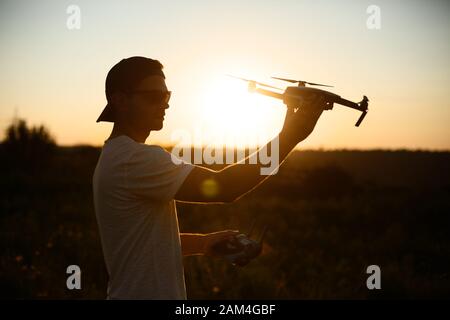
{"x": 297, "y": 148}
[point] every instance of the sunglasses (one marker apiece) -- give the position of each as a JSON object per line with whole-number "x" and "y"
{"x": 154, "y": 96}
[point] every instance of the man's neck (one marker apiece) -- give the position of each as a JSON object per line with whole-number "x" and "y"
{"x": 120, "y": 129}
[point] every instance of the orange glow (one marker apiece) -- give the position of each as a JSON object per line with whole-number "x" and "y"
{"x": 233, "y": 116}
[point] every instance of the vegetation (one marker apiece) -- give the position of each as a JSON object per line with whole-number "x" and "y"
{"x": 330, "y": 215}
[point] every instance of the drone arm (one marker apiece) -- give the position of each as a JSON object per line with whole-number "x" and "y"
{"x": 269, "y": 93}
{"x": 350, "y": 104}
{"x": 362, "y": 106}
{"x": 361, "y": 118}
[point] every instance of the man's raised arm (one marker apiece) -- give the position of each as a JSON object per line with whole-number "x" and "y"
{"x": 232, "y": 182}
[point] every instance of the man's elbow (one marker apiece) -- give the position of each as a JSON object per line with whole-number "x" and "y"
{"x": 229, "y": 200}
{"x": 233, "y": 196}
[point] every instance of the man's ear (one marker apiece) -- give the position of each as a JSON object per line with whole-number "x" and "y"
{"x": 119, "y": 100}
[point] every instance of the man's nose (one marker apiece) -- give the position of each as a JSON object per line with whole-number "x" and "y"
{"x": 166, "y": 106}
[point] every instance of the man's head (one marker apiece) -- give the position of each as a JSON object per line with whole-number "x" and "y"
{"x": 137, "y": 94}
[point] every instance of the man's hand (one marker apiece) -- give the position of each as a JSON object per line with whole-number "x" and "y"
{"x": 299, "y": 124}
{"x": 212, "y": 239}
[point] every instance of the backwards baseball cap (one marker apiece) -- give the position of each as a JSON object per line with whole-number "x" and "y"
{"x": 125, "y": 76}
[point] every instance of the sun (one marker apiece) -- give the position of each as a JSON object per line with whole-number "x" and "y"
{"x": 234, "y": 117}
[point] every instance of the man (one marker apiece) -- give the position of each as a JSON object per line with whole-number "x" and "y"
{"x": 135, "y": 185}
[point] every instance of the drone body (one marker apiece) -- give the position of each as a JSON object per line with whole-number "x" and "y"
{"x": 294, "y": 96}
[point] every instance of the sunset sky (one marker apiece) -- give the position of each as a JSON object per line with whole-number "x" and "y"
{"x": 53, "y": 75}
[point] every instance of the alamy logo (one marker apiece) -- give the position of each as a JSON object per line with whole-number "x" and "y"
{"x": 74, "y": 280}
{"x": 74, "y": 19}
{"x": 267, "y": 156}
{"x": 374, "y": 20}
{"x": 374, "y": 280}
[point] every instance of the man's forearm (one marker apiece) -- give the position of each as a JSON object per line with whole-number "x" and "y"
{"x": 192, "y": 244}
{"x": 245, "y": 175}
{"x": 227, "y": 185}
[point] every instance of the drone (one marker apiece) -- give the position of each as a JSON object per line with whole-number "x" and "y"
{"x": 294, "y": 96}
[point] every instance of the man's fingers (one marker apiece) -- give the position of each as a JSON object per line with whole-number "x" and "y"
{"x": 289, "y": 111}
{"x": 216, "y": 237}
{"x": 230, "y": 232}
{"x": 314, "y": 102}
{"x": 316, "y": 106}
{"x": 220, "y": 235}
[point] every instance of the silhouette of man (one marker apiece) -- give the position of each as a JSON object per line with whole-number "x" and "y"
{"x": 135, "y": 185}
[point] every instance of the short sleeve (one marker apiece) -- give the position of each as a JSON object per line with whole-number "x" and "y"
{"x": 152, "y": 173}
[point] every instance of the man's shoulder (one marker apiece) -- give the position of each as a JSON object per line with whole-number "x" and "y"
{"x": 132, "y": 153}
{"x": 126, "y": 143}
{"x": 149, "y": 154}
{"x": 151, "y": 150}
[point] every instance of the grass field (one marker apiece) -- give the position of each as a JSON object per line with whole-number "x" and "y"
{"x": 330, "y": 215}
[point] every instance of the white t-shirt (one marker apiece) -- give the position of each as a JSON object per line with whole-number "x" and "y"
{"x": 134, "y": 186}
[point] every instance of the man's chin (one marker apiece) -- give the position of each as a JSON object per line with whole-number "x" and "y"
{"x": 156, "y": 126}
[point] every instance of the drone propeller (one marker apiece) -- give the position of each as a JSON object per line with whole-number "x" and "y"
{"x": 302, "y": 82}
{"x": 255, "y": 82}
